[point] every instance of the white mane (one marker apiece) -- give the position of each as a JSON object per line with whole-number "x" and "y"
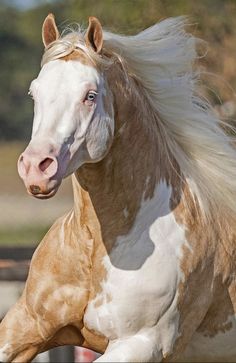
{"x": 163, "y": 58}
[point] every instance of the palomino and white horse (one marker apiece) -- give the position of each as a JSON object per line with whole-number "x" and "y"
{"x": 143, "y": 268}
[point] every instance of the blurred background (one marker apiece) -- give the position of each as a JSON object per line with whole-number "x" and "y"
{"x": 24, "y": 220}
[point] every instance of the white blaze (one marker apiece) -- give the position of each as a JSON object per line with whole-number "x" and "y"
{"x": 79, "y": 130}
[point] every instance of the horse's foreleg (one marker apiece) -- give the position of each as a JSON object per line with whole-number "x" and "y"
{"x": 20, "y": 337}
{"x": 141, "y": 347}
{"x": 51, "y": 309}
{"x": 23, "y": 336}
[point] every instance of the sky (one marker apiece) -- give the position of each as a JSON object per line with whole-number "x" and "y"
{"x": 25, "y": 4}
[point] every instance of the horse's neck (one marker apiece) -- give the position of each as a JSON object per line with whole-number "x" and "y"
{"x": 136, "y": 163}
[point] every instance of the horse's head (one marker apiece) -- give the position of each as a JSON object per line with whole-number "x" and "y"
{"x": 73, "y": 123}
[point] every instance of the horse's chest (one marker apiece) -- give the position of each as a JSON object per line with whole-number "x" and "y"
{"x": 142, "y": 275}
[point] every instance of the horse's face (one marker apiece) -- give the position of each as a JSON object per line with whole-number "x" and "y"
{"x": 72, "y": 124}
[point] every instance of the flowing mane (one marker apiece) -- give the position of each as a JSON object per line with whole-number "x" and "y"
{"x": 162, "y": 58}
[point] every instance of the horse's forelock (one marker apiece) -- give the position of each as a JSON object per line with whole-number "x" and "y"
{"x": 67, "y": 45}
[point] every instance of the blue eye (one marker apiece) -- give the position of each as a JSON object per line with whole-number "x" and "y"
{"x": 91, "y": 96}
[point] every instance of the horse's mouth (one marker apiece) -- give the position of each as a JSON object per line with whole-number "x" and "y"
{"x": 45, "y": 195}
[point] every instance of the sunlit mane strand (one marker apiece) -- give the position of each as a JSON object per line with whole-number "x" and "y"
{"x": 163, "y": 58}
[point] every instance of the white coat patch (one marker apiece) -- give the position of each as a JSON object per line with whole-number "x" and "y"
{"x": 143, "y": 274}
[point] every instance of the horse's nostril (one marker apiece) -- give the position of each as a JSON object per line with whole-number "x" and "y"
{"x": 35, "y": 189}
{"x": 23, "y": 166}
{"x": 45, "y": 164}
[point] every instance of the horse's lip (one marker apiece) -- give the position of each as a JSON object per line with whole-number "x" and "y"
{"x": 44, "y": 195}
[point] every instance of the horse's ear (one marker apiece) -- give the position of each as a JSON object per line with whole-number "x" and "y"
{"x": 50, "y": 32}
{"x": 94, "y": 36}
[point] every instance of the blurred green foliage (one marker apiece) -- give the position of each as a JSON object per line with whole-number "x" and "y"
{"x": 26, "y": 235}
{"x": 21, "y": 46}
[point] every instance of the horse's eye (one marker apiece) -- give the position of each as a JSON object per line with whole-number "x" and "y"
{"x": 91, "y": 96}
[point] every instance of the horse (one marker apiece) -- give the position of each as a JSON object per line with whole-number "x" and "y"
{"x": 142, "y": 269}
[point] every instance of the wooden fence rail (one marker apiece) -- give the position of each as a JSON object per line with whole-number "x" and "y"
{"x": 14, "y": 263}
{"x": 16, "y": 253}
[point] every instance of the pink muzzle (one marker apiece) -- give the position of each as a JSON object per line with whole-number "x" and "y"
{"x": 39, "y": 172}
